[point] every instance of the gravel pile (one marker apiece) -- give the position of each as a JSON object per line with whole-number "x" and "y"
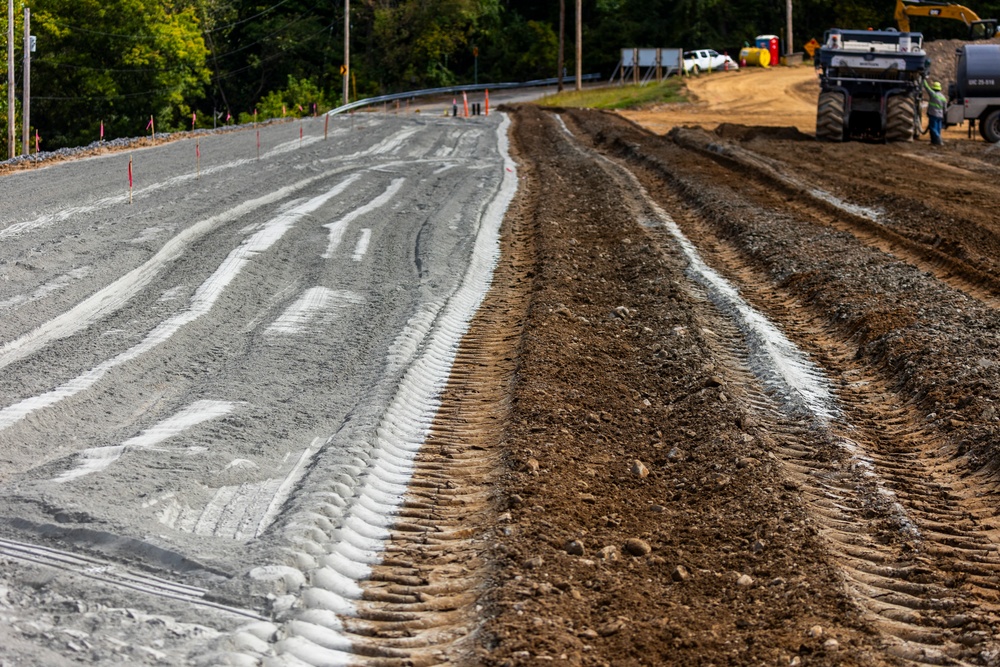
{"x": 944, "y": 59}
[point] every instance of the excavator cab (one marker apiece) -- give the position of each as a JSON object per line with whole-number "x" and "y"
{"x": 983, "y": 29}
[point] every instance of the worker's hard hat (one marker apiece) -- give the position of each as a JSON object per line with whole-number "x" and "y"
{"x": 936, "y": 85}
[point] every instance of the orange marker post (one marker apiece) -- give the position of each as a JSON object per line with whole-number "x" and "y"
{"x": 130, "y": 180}
{"x": 487, "y": 102}
{"x": 326, "y": 126}
{"x": 37, "y": 140}
{"x": 465, "y": 103}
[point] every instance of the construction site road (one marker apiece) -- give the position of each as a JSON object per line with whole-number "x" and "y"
{"x": 724, "y": 395}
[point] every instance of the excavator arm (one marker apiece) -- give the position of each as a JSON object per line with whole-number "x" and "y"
{"x": 978, "y": 28}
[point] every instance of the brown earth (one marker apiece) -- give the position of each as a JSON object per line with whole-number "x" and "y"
{"x": 622, "y": 474}
{"x": 638, "y": 422}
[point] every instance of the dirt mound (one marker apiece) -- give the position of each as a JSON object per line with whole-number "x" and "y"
{"x": 944, "y": 57}
{"x": 738, "y": 132}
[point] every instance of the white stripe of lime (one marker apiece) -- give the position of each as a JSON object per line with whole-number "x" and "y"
{"x": 202, "y": 301}
{"x": 313, "y": 301}
{"x": 338, "y": 228}
{"x": 362, "y": 247}
{"x": 98, "y": 458}
{"x": 114, "y": 296}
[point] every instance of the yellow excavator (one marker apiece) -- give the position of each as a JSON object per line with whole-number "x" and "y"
{"x": 978, "y": 28}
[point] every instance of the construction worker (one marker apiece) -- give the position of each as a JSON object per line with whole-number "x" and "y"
{"x": 935, "y": 111}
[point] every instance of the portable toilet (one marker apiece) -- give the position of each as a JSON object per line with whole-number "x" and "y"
{"x": 769, "y": 42}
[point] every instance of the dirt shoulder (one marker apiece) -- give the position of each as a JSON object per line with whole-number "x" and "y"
{"x": 644, "y": 518}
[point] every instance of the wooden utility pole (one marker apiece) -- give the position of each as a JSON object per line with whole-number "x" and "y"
{"x": 562, "y": 41}
{"x": 579, "y": 44}
{"x": 347, "y": 47}
{"x": 11, "y": 144}
{"x": 26, "y": 89}
{"x": 788, "y": 38}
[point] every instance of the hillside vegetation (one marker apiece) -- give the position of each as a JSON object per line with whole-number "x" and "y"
{"x": 198, "y": 63}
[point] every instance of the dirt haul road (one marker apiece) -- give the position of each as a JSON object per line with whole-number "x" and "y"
{"x": 730, "y": 399}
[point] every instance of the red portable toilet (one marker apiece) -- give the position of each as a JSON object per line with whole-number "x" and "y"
{"x": 769, "y": 42}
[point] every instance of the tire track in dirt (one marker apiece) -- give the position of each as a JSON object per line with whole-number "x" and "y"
{"x": 866, "y": 224}
{"x": 919, "y": 552}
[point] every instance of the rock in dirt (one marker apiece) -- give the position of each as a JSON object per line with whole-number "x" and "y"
{"x": 639, "y": 469}
{"x": 744, "y": 580}
{"x": 534, "y": 562}
{"x": 680, "y": 573}
{"x": 609, "y": 553}
{"x": 636, "y": 547}
{"x": 575, "y": 548}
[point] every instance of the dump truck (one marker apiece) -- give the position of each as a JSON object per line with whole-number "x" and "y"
{"x": 978, "y": 28}
{"x": 974, "y": 96}
{"x": 870, "y": 85}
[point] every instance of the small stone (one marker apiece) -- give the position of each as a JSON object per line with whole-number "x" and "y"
{"x": 593, "y": 417}
{"x": 747, "y": 462}
{"x": 714, "y": 381}
{"x": 515, "y": 500}
{"x": 639, "y": 469}
{"x": 680, "y": 573}
{"x": 831, "y": 644}
{"x": 657, "y": 509}
{"x": 815, "y": 631}
{"x": 675, "y": 454}
{"x": 744, "y": 580}
{"x": 777, "y": 581}
{"x": 561, "y": 309}
{"x": 589, "y": 634}
{"x": 532, "y": 465}
{"x": 608, "y": 553}
{"x": 636, "y": 547}
{"x": 575, "y": 548}
{"x": 611, "y": 628}
{"x": 757, "y": 546}
{"x": 534, "y": 562}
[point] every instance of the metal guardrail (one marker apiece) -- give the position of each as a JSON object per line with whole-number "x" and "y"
{"x": 454, "y": 89}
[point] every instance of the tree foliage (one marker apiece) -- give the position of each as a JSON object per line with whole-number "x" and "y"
{"x": 116, "y": 62}
{"x": 120, "y": 61}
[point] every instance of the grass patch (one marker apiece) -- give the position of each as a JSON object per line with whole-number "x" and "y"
{"x": 619, "y": 97}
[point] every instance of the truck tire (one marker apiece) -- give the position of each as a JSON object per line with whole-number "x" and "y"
{"x": 830, "y": 116}
{"x": 900, "y": 118}
{"x": 989, "y": 126}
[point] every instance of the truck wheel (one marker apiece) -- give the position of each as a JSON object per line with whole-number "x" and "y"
{"x": 989, "y": 126}
{"x": 830, "y": 116}
{"x": 900, "y": 118}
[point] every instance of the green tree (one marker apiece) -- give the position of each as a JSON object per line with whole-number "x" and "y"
{"x": 116, "y": 61}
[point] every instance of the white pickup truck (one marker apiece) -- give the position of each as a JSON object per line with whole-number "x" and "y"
{"x": 706, "y": 60}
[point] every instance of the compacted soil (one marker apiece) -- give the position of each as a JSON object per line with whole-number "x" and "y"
{"x": 751, "y": 415}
